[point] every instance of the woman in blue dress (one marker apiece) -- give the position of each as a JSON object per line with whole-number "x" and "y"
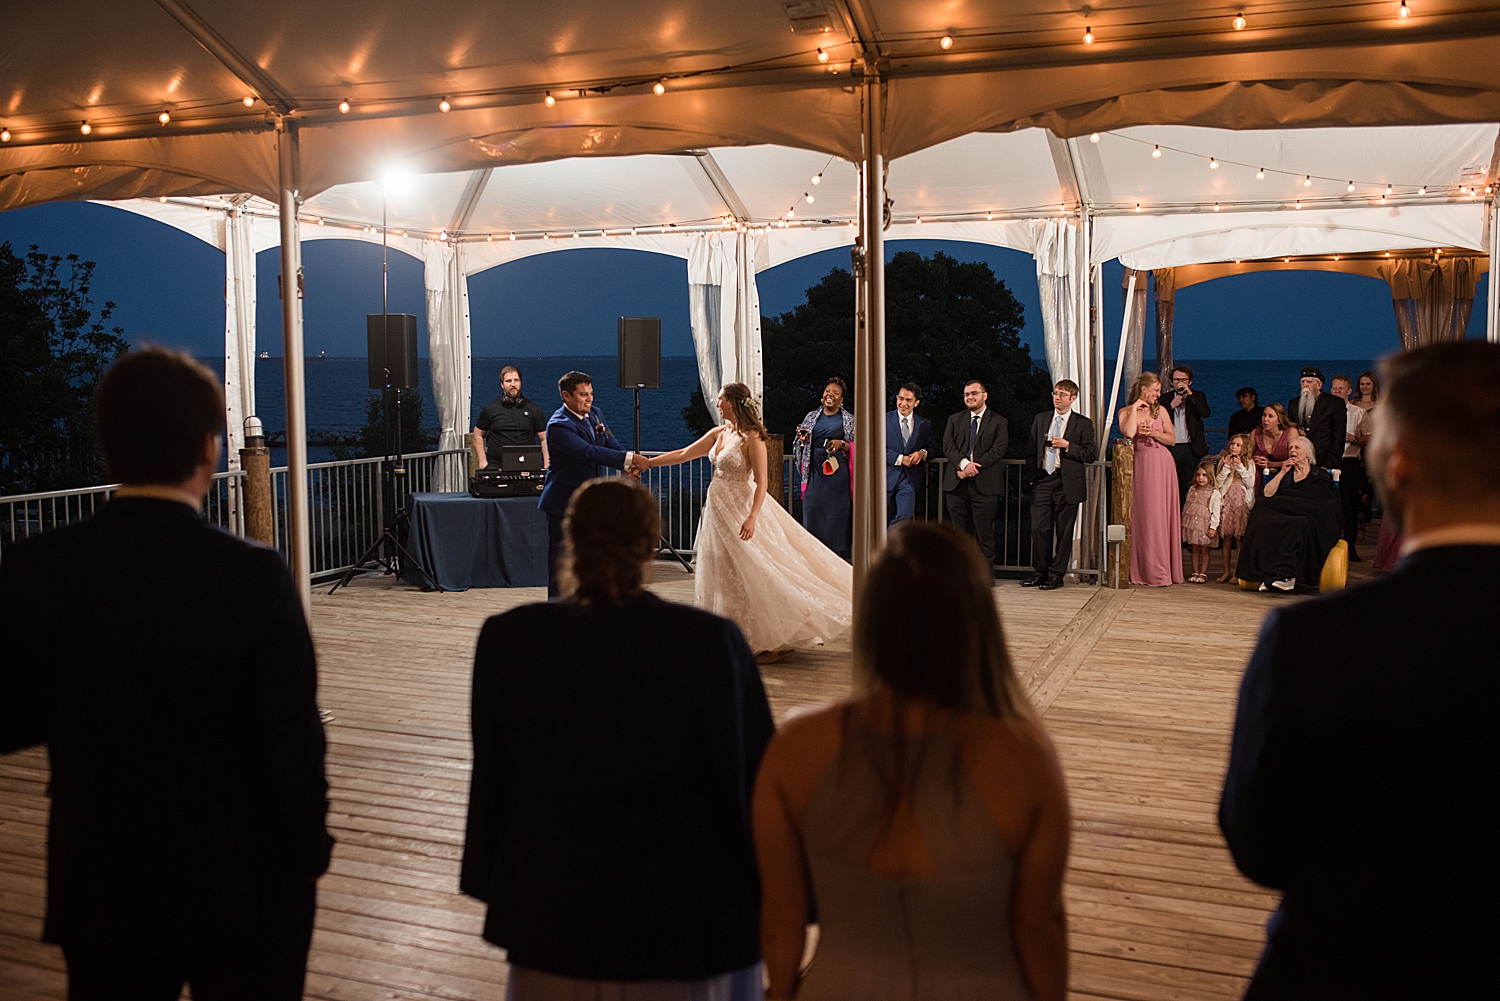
{"x": 824, "y": 447}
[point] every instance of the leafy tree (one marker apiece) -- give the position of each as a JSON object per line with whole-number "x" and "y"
{"x": 53, "y": 350}
{"x": 946, "y": 322}
{"x": 378, "y": 435}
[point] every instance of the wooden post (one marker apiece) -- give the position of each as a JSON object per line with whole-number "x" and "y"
{"x": 255, "y": 460}
{"x": 776, "y": 468}
{"x": 1124, "y": 488}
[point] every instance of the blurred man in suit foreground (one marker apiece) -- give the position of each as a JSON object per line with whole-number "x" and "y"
{"x": 168, "y": 668}
{"x": 1364, "y": 789}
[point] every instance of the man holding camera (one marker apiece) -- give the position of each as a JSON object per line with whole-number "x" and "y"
{"x": 1188, "y": 408}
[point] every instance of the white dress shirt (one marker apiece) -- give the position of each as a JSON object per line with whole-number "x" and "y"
{"x": 964, "y": 462}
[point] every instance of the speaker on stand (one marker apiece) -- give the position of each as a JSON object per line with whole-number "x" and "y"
{"x": 640, "y": 368}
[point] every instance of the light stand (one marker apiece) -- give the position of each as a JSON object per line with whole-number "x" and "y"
{"x": 401, "y": 523}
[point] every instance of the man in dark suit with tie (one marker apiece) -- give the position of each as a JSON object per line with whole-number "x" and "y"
{"x": 168, "y": 668}
{"x": 1364, "y": 789}
{"x": 1061, "y": 443}
{"x": 581, "y": 447}
{"x": 1321, "y": 417}
{"x": 908, "y": 442}
{"x": 1188, "y": 407}
{"x": 974, "y": 442}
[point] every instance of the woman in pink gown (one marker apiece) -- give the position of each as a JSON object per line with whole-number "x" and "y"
{"x": 1156, "y": 521}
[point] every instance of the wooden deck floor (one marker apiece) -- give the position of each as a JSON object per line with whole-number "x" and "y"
{"x": 1137, "y": 687}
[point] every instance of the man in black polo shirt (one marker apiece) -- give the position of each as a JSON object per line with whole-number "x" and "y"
{"x": 510, "y": 419}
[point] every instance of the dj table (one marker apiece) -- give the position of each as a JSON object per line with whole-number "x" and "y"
{"x": 469, "y": 542}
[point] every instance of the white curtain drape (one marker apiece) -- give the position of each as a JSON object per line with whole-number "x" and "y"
{"x": 1060, "y": 278}
{"x": 236, "y": 241}
{"x": 724, "y": 311}
{"x": 1135, "y": 319}
{"x": 449, "y": 353}
{"x": 1433, "y": 299}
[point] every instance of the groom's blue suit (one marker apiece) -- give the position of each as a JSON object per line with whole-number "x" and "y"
{"x": 580, "y": 449}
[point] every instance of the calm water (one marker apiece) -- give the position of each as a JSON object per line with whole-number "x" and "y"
{"x": 337, "y": 391}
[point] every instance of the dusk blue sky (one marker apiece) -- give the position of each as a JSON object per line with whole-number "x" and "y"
{"x": 168, "y": 289}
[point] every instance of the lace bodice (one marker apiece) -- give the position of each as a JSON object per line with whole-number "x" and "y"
{"x": 731, "y": 464}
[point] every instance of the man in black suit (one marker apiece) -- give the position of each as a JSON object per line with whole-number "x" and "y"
{"x": 974, "y": 442}
{"x": 1188, "y": 407}
{"x": 908, "y": 444}
{"x": 1060, "y": 444}
{"x": 168, "y": 668}
{"x": 1321, "y": 417}
{"x": 1364, "y": 788}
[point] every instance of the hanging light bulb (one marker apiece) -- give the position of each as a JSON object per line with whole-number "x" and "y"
{"x": 988, "y": 216}
{"x": 1307, "y": 181}
{"x": 919, "y": 220}
{"x": 1422, "y": 190}
{"x": 659, "y": 88}
{"x": 444, "y": 106}
{"x": 1088, "y": 35}
{"x": 945, "y": 43}
{"x": 319, "y": 220}
{"x": 575, "y": 234}
{"x": 549, "y": 100}
{"x": 442, "y": 234}
{"x": 1299, "y": 203}
{"x": 163, "y": 199}
{"x": 632, "y": 231}
{"x": 1260, "y": 175}
{"x": 1156, "y": 152}
{"x": 248, "y": 100}
{"x": 822, "y": 56}
{"x": 817, "y": 178}
{"x": 164, "y": 117}
{"x": 791, "y": 213}
{"x": 85, "y": 128}
{"x": 1405, "y": 11}
{"x": 1137, "y": 206}
{"x": 1239, "y": 22}
{"x": 1213, "y": 164}
{"x": 344, "y": 107}
{"x": 808, "y": 195}
{"x": 1350, "y": 187}
{"x": 4, "y": 135}
{"x": 513, "y": 236}
{"x": 1216, "y": 206}
{"x": 1094, "y": 137}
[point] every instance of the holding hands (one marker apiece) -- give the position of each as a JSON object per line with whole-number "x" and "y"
{"x": 637, "y": 465}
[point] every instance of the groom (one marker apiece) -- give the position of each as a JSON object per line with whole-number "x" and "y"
{"x": 581, "y": 447}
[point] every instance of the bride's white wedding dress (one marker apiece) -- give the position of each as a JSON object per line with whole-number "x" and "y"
{"x": 783, "y": 588}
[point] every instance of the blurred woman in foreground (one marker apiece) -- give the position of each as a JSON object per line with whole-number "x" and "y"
{"x": 928, "y": 816}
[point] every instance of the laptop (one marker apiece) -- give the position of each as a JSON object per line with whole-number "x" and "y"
{"x": 521, "y": 459}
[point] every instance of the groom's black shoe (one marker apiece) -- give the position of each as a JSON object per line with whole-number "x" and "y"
{"x": 1036, "y": 581}
{"x": 1050, "y": 584}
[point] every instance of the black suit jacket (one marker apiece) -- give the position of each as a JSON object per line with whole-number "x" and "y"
{"x": 609, "y": 815}
{"x": 1082, "y": 449}
{"x": 1365, "y": 788}
{"x": 168, "y": 668}
{"x": 1325, "y": 428}
{"x": 989, "y": 449}
{"x": 1195, "y": 405}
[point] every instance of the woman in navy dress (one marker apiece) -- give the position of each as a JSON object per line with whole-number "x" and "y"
{"x": 825, "y": 439}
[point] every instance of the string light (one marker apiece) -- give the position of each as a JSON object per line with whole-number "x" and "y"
{"x": 344, "y": 107}
{"x": 444, "y": 106}
{"x": 1094, "y": 137}
{"x": 1088, "y": 35}
{"x": 1216, "y": 206}
{"x": 1260, "y": 174}
{"x": 988, "y": 216}
{"x": 822, "y": 56}
{"x": 163, "y": 199}
{"x": 1239, "y": 22}
{"x": 319, "y": 220}
{"x": 164, "y": 117}
{"x": 1405, "y": 11}
{"x": 632, "y": 231}
{"x": 1307, "y": 181}
{"x": 4, "y": 135}
{"x": 575, "y": 234}
{"x": 1350, "y": 187}
{"x": 549, "y": 100}
{"x": 791, "y": 213}
{"x": 1213, "y": 164}
{"x": 1137, "y": 206}
{"x": 1299, "y": 203}
{"x": 442, "y": 234}
{"x": 817, "y": 178}
{"x": 512, "y": 237}
{"x": 248, "y": 100}
{"x": 659, "y": 88}
{"x": 919, "y": 220}
{"x": 945, "y": 43}
{"x": 490, "y": 238}
{"x": 1422, "y": 190}
{"x": 809, "y": 197}
{"x": 1156, "y": 152}
{"x": 85, "y": 128}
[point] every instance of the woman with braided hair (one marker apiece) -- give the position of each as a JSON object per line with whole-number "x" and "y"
{"x": 756, "y": 564}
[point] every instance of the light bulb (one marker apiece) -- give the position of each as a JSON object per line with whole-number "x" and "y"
{"x": 632, "y": 231}
{"x": 1137, "y": 206}
{"x": 442, "y": 234}
{"x": 659, "y": 88}
{"x": 248, "y": 100}
{"x": 1093, "y": 137}
{"x": 343, "y": 107}
{"x": 1350, "y": 187}
{"x": 549, "y": 100}
{"x": 1307, "y": 181}
{"x": 164, "y": 117}
{"x": 989, "y": 216}
{"x": 512, "y": 237}
{"x": 1422, "y": 190}
{"x": 1299, "y": 203}
{"x": 490, "y": 238}
{"x": 945, "y": 43}
{"x": 1387, "y": 189}
{"x": 443, "y": 105}
{"x": 822, "y": 56}
{"x": 1088, "y": 35}
{"x": 1239, "y": 22}
{"x": 1405, "y": 11}
{"x": 1156, "y": 152}
{"x": 1213, "y": 164}
{"x": 1216, "y": 206}
{"x": 85, "y": 128}
{"x": 319, "y": 220}
{"x": 575, "y": 234}
{"x": 163, "y": 199}
{"x": 1260, "y": 175}
{"x": 4, "y": 135}
{"x": 919, "y": 220}
{"x": 817, "y": 178}
{"x": 790, "y": 213}
{"x": 809, "y": 197}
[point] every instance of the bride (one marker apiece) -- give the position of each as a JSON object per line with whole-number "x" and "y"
{"x": 756, "y": 564}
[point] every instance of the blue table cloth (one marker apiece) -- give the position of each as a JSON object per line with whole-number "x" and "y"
{"x": 469, "y": 542}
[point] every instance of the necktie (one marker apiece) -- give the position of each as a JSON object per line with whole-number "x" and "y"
{"x": 973, "y": 434}
{"x": 1052, "y": 454}
{"x": 905, "y": 431}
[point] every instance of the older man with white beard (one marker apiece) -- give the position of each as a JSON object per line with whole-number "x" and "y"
{"x": 1321, "y": 418}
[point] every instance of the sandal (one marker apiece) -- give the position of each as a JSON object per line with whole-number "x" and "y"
{"x": 1198, "y": 578}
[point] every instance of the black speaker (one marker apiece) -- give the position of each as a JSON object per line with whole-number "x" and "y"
{"x": 640, "y": 352}
{"x": 393, "y": 346}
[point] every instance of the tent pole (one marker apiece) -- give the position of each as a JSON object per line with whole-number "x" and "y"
{"x": 1492, "y": 304}
{"x": 292, "y": 363}
{"x": 869, "y": 345}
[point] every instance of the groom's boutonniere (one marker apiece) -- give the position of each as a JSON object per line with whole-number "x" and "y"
{"x": 599, "y": 427}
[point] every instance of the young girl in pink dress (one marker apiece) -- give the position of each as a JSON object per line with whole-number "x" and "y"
{"x": 1156, "y": 520}
{"x": 1235, "y": 482}
{"x": 1200, "y": 520}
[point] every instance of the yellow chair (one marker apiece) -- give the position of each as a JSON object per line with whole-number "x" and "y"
{"x": 1335, "y": 571}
